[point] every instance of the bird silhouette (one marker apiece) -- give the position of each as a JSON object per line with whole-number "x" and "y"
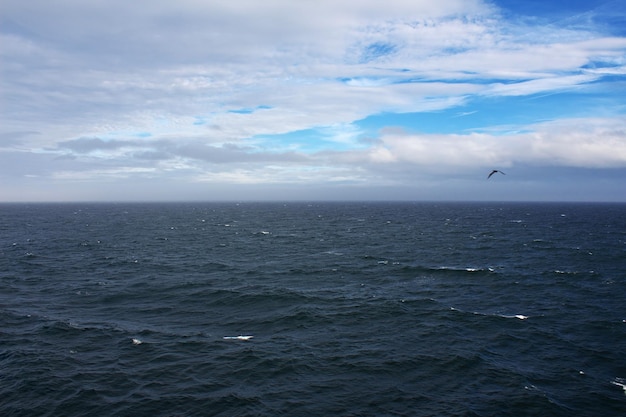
{"x": 493, "y": 172}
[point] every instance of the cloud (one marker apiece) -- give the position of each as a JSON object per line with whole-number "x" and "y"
{"x": 121, "y": 61}
{"x": 278, "y": 91}
{"x": 87, "y": 145}
{"x": 12, "y": 139}
{"x": 191, "y": 151}
{"x": 583, "y": 143}
{"x": 389, "y": 159}
{"x": 194, "y": 32}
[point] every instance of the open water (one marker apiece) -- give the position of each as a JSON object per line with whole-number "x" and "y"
{"x": 321, "y": 309}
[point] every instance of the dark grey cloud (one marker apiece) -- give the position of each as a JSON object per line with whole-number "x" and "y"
{"x": 20, "y": 164}
{"x": 169, "y": 149}
{"x": 9, "y": 139}
{"x": 86, "y": 145}
{"x": 151, "y": 155}
{"x": 233, "y": 153}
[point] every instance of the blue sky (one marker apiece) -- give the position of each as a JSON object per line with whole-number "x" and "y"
{"x": 326, "y": 100}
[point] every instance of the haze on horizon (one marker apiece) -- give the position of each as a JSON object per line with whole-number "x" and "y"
{"x": 326, "y": 100}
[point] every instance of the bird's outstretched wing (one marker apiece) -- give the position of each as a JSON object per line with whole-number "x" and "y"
{"x": 493, "y": 172}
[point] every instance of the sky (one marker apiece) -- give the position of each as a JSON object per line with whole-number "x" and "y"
{"x": 417, "y": 100}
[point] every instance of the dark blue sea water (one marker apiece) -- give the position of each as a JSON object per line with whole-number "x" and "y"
{"x": 359, "y": 309}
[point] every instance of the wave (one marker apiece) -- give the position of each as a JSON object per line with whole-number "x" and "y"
{"x": 445, "y": 269}
{"x": 500, "y": 315}
{"x": 620, "y": 382}
{"x": 365, "y": 310}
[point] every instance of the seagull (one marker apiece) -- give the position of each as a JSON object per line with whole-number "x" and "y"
{"x": 493, "y": 172}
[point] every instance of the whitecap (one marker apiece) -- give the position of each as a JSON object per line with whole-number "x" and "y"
{"x": 516, "y": 316}
{"x": 620, "y": 382}
{"x": 136, "y": 341}
{"x": 240, "y": 337}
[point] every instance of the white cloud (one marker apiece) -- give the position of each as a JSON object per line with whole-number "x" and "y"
{"x": 119, "y": 61}
{"x": 395, "y": 156}
{"x": 584, "y": 143}
{"x": 540, "y": 85}
{"x": 168, "y": 88}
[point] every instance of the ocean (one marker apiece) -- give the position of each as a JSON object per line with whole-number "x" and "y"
{"x": 313, "y": 309}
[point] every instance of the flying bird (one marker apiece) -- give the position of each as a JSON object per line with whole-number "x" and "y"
{"x": 493, "y": 172}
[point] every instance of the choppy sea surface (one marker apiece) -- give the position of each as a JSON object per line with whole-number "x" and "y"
{"x": 320, "y": 309}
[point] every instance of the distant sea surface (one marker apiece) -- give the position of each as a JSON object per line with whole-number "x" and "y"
{"x": 321, "y": 309}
